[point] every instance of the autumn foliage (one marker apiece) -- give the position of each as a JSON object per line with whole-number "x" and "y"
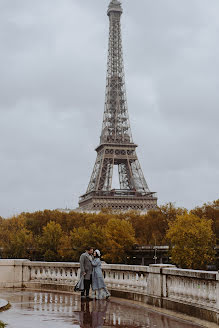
{"x": 192, "y": 241}
{"x": 59, "y": 236}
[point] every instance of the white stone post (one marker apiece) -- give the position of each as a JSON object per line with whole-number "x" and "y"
{"x": 13, "y": 273}
{"x": 157, "y": 280}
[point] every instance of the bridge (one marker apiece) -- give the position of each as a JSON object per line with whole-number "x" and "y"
{"x": 163, "y": 287}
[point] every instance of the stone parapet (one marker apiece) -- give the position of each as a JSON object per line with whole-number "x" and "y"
{"x": 191, "y": 292}
{"x": 13, "y": 273}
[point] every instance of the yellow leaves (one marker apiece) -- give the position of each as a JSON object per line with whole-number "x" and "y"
{"x": 192, "y": 241}
{"x": 20, "y": 245}
{"x": 54, "y": 235}
{"x": 119, "y": 238}
{"x": 113, "y": 239}
{"x": 50, "y": 240}
{"x": 89, "y": 235}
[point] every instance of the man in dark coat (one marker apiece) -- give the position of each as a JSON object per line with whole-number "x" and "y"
{"x": 86, "y": 270}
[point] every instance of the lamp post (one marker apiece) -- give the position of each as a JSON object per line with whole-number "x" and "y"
{"x": 155, "y": 250}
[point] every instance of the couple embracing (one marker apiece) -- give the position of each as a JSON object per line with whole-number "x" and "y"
{"x": 90, "y": 266}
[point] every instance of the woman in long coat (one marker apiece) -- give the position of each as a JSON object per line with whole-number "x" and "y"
{"x": 98, "y": 285}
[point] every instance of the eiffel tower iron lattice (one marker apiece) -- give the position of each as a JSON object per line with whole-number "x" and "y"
{"x": 116, "y": 144}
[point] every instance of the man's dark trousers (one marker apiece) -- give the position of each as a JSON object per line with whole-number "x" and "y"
{"x": 87, "y": 284}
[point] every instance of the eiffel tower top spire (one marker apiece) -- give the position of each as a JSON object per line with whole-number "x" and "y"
{"x": 114, "y": 5}
{"x": 116, "y": 126}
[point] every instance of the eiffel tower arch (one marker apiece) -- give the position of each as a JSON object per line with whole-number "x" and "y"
{"x": 116, "y": 148}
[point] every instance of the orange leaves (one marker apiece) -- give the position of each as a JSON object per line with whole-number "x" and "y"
{"x": 119, "y": 238}
{"x": 58, "y": 236}
{"x": 192, "y": 241}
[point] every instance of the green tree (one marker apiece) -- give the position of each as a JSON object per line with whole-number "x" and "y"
{"x": 192, "y": 241}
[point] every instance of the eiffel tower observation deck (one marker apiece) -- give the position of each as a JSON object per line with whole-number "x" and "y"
{"x": 116, "y": 148}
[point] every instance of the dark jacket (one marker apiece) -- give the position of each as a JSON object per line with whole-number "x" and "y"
{"x": 86, "y": 265}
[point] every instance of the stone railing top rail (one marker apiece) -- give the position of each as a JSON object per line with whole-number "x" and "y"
{"x": 167, "y": 269}
{"x": 206, "y": 275}
{"x": 116, "y": 267}
{"x": 52, "y": 264}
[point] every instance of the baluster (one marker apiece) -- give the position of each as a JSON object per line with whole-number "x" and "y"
{"x": 143, "y": 282}
{"x": 38, "y": 275}
{"x": 49, "y": 273}
{"x": 54, "y": 275}
{"x": 189, "y": 290}
{"x": 170, "y": 287}
{"x": 134, "y": 280}
{"x": 113, "y": 279}
{"x": 182, "y": 290}
{"x": 198, "y": 287}
{"x": 68, "y": 275}
{"x": 195, "y": 290}
{"x": 33, "y": 273}
{"x": 175, "y": 288}
{"x": 75, "y": 275}
{"x": 202, "y": 293}
{"x": 122, "y": 280}
{"x": 179, "y": 289}
{"x": 212, "y": 293}
{"x": 116, "y": 281}
{"x": 110, "y": 278}
{"x": 106, "y": 277}
{"x": 43, "y": 275}
{"x": 58, "y": 274}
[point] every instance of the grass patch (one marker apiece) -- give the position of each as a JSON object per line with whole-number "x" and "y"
{"x": 4, "y": 308}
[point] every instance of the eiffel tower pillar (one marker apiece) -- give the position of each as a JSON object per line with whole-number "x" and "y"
{"x": 116, "y": 148}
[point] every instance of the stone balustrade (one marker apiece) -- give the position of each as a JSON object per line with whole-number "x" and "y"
{"x": 195, "y": 287}
{"x": 188, "y": 291}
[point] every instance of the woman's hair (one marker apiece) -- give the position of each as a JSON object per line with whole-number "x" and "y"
{"x": 97, "y": 253}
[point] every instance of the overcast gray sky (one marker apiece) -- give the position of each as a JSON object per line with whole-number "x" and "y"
{"x": 53, "y": 56}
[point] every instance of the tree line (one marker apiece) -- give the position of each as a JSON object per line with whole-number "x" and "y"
{"x": 58, "y": 236}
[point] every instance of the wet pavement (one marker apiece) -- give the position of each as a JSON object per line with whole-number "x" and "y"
{"x": 50, "y": 309}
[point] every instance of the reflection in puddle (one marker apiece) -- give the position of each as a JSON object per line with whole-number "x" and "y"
{"x": 41, "y": 309}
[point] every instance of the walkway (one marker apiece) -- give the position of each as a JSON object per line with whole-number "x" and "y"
{"x": 56, "y": 310}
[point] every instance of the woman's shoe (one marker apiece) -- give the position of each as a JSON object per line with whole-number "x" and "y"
{"x": 107, "y": 296}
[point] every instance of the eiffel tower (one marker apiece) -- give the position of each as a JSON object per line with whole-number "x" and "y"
{"x": 116, "y": 146}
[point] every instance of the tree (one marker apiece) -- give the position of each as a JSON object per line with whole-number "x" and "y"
{"x": 210, "y": 211}
{"x": 21, "y": 244}
{"x": 50, "y": 240}
{"x": 90, "y": 235}
{"x": 170, "y": 212}
{"x": 192, "y": 241}
{"x": 65, "y": 251}
{"x": 119, "y": 237}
